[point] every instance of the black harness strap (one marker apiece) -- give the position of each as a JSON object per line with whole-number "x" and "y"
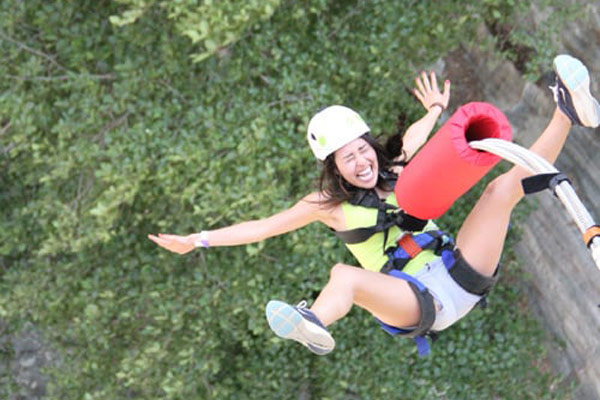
{"x": 428, "y": 314}
{"x": 537, "y": 183}
{"x": 387, "y": 216}
{"x": 384, "y": 222}
{"x": 470, "y": 279}
{"x": 427, "y": 306}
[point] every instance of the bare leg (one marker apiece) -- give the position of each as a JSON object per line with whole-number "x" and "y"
{"x": 391, "y": 299}
{"x": 388, "y": 298}
{"x": 482, "y": 235}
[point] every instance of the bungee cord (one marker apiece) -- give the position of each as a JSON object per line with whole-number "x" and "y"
{"x": 563, "y": 190}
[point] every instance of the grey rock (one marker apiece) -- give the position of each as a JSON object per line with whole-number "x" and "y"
{"x": 564, "y": 288}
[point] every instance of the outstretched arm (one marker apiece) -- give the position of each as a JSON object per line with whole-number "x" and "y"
{"x": 435, "y": 102}
{"x": 302, "y": 213}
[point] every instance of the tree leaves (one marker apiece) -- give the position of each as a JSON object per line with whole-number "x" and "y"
{"x": 109, "y": 131}
{"x": 213, "y": 24}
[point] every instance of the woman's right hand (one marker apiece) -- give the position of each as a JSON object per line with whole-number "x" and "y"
{"x": 175, "y": 243}
{"x": 429, "y": 94}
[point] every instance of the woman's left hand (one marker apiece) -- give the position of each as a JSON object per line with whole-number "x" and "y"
{"x": 175, "y": 243}
{"x": 429, "y": 94}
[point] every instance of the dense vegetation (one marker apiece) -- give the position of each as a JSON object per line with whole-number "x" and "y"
{"x": 123, "y": 118}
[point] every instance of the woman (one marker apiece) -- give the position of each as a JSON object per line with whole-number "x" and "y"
{"x": 420, "y": 292}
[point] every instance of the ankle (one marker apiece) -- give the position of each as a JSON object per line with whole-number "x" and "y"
{"x": 562, "y": 118}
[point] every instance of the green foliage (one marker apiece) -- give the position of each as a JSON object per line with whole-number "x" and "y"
{"x": 215, "y": 24}
{"x": 110, "y": 131}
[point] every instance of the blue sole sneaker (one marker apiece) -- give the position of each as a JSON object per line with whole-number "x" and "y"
{"x": 572, "y": 91}
{"x": 299, "y": 324}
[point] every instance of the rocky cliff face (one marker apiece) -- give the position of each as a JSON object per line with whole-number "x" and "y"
{"x": 564, "y": 284}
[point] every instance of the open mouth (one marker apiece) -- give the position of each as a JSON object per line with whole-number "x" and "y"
{"x": 366, "y": 174}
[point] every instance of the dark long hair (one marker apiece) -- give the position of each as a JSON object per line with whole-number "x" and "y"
{"x": 335, "y": 188}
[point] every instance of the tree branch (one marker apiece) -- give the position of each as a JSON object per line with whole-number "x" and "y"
{"x": 32, "y": 51}
{"x": 52, "y": 60}
{"x": 113, "y": 124}
{"x": 61, "y": 77}
{"x": 5, "y": 128}
{"x": 290, "y": 99}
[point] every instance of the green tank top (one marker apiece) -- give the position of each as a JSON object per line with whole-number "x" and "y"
{"x": 369, "y": 253}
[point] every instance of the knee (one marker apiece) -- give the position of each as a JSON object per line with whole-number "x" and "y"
{"x": 341, "y": 273}
{"x": 504, "y": 190}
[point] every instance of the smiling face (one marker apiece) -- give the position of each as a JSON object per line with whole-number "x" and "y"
{"x": 357, "y": 163}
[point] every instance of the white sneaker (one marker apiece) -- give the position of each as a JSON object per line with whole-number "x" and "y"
{"x": 572, "y": 92}
{"x": 299, "y": 324}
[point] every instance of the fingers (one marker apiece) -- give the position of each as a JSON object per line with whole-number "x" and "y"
{"x": 169, "y": 237}
{"x": 426, "y": 82}
{"x": 433, "y": 79}
{"x": 420, "y": 86}
{"x": 159, "y": 241}
{"x": 427, "y": 89}
{"x": 418, "y": 95}
{"x": 164, "y": 238}
{"x": 153, "y": 238}
{"x": 175, "y": 243}
{"x": 446, "y": 88}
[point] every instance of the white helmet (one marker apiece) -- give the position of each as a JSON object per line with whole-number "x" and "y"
{"x": 332, "y": 128}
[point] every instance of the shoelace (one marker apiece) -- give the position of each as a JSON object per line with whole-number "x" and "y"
{"x": 554, "y": 89}
{"x": 560, "y": 97}
{"x": 309, "y": 315}
{"x": 302, "y": 304}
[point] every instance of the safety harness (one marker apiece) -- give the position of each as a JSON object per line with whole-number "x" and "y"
{"x": 407, "y": 248}
{"x": 388, "y": 215}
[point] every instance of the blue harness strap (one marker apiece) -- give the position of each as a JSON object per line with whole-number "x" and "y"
{"x": 462, "y": 273}
{"x": 422, "y": 346}
{"x": 435, "y": 240}
{"x": 425, "y": 299}
{"x": 409, "y": 278}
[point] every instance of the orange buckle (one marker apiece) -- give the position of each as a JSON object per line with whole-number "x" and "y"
{"x": 409, "y": 245}
{"x": 591, "y": 233}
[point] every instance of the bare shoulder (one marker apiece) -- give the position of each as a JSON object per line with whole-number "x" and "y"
{"x": 331, "y": 216}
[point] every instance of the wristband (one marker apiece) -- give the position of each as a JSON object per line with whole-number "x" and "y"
{"x": 440, "y": 105}
{"x": 202, "y": 241}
